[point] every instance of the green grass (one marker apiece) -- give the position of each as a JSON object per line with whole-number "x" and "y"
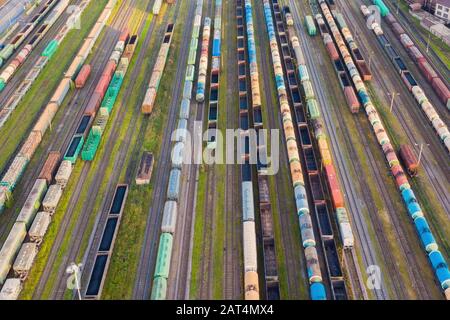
{"x": 198, "y": 234}
{"x": 120, "y": 280}
{"x": 22, "y": 118}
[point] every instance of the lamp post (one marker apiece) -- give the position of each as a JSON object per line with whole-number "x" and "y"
{"x": 74, "y": 270}
{"x": 421, "y": 151}
{"x": 393, "y": 95}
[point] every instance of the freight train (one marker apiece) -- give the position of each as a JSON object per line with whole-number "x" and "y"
{"x": 251, "y": 274}
{"x": 168, "y": 225}
{"x": 204, "y": 61}
{"x": 106, "y": 246}
{"x": 339, "y": 66}
{"x": 120, "y": 59}
{"x": 213, "y": 108}
{"x": 410, "y": 200}
{"x": 158, "y": 71}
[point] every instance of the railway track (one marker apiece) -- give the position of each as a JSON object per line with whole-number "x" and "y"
{"x": 355, "y": 203}
{"x": 358, "y": 287}
{"x": 108, "y": 43}
{"x": 146, "y": 265}
{"x": 433, "y": 162}
{"x": 232, "y": 288}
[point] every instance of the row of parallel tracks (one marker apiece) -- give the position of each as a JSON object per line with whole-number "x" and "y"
{"x": 354, "y": 202}
{"x": 65, "y": 124}
{"x": 435, "y": 157}
{"x": 330, "y": 264}
{"x": 64, "y": 132}
{"x": 418, "y": 282}
{"x": 206, "y": 281}
{"x": 438, "y": 174}
{"x": 232, "y": 285}
{"x": 292, "y": 263}
{"x": 125, "y": 147}
{"x": 146, "y": 265}
{"x": 439, "y": 66}
{"x": 20, "y": 74}
{"x": 179, "y": 279}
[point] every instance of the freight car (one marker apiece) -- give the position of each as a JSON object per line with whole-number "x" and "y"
{"x": 145, "y": 169}
{"x": 10, "y": 249}
{"x": 106, "y": 246}
{"x": 33, "y": 202}
{"x": 409, "y": 160}
{"x": 11, "y": 289}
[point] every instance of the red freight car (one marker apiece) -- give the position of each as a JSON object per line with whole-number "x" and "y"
{"x": 50, "y": 167}
{"x": 427, "y": 70}
{"x": 409, "y": 160}
{"x": 82, "y": 77}
{"x": 336, "y": 195}
{"x": 441, "y": 90}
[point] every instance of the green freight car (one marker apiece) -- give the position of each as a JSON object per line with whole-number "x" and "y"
{"x": 313, "y": 109}
{"x": 164, "y": 254}
{"x": 74, "y": 148}
{"x": 159, "y": 289}
{"x": 383, "y": 9}
{"x": 50, "y": 50}
{"x": 91, "y": 145}
{"x": 310, "y": 26}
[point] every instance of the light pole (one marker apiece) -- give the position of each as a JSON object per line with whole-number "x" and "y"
{"x": 74, "y": 270}
{"x": 393, "y": 95}
{"x": 397, "y": 6}
{"x": 421, "y": 151}
{"x": 428, "y": 40}
{"x": 370, "y": 59}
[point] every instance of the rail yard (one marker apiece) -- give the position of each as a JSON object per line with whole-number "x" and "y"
{"x": 223, "y": 150}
